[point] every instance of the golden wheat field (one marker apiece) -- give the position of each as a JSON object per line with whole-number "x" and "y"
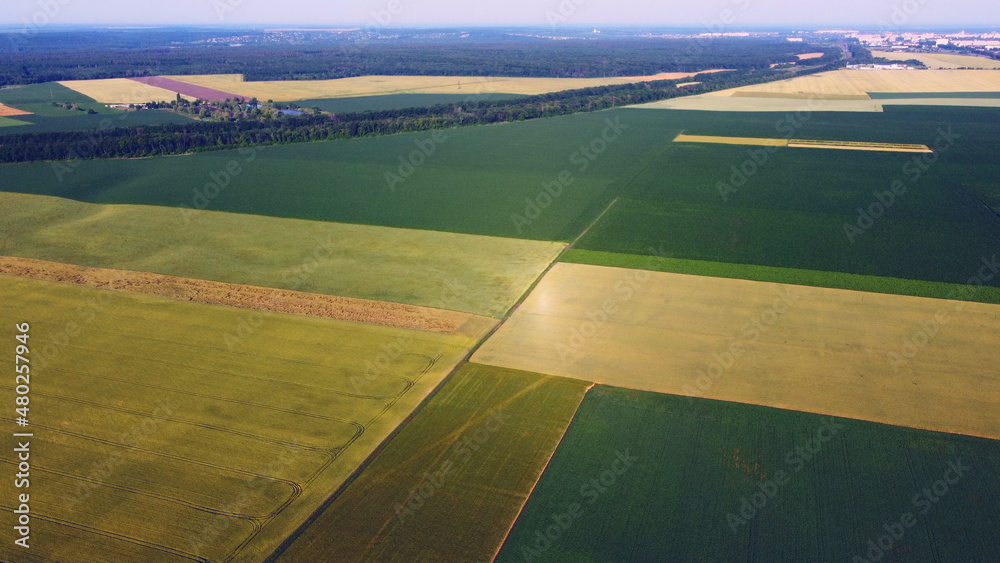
{"x": 845, "y": 90}
{"x": 922, "y": 363}
{"x": 942, "y": 61}
{"x": 292, "y": 90}
{"x": 121, "y": 91}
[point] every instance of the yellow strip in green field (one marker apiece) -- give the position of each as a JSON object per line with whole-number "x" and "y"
{"x": 858, "y": 146}
{"x": 682, "y": 138}
{"x": 803, "y": 143}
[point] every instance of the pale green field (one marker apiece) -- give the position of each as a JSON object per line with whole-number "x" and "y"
{"x": 164, "y": 431}
{"x": 10, "y": 122}
{"x": 474, "y": 274}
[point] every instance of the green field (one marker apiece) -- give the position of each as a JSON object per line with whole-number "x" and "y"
{"x": 450, "y": 484}
{"x": 789, "y": 209}
{"x": 157, "y": 436}
{"x": 38, "y": 98}
{"x": 474, "y": 274}
{"x": 11, "y": 122}
{"x": 835, "y": 280}
{"x": 474, "y": 182}
{"x": 394, "y": 101}
{"x": 790, "y": 212}
{"x": 648, "y": 477}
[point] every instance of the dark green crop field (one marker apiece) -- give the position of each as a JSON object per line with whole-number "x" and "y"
{"x": 648, "y": 477}
{"x": 476, "y": 180}
{"x": 880, "y": 214}
{"x": 795, "y": 208}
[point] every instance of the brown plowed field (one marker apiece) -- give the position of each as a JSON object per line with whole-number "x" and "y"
{"x": 7, "y": 111}
{"x": 185, "y": 89}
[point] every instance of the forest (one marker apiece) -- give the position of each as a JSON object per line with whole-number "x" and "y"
{"x": 38, "y": 60}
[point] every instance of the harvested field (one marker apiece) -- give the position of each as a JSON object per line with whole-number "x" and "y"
{"x": 664, "y": 478}
{"x": 121, "y": 91}
{"x": 751, "y": 103}
{"x": 860, "y": 82}
{"x": 473, "y": 274}
{"x": 826, "y": 351}
{"x": 843, "y": 90}
{"x": 809, "y": 56}
{"x": 185, "y": 89}
{"x": 7, "y": 111}
{"x": 755, "y": 141}
{"x": 939, "y": 61}
{"x": 250, "y": 297}
{"x": 294, "y": 90}
{"x": 802, "y": 143}
{"x": 183, "y": 431}
{"x": 858, "y": 146}
{"x": 450, "y": 485}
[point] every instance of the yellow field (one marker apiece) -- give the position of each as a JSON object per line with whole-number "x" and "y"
{"x": 164, "y": 432}
{"x": 942, "y": 61}
{"x": 802, "y": 143}
{"x": 844, "y": 90}
{"x": 121, "y": 91}
{"x": 804, "y": 348}
{"x": 292, "y": 90}
{"x": 682, "y": 138}
{"x": 809, "y": 56}
{"x": 861, "y": 82}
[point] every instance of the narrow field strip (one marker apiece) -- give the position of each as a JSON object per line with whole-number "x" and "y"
{"x": 246, "y": 296}
{"x": 682, "y": 138}
{"x": 450, "y": 484}
{"x": 859, "y": 146}
{"x": 804, "y": 143}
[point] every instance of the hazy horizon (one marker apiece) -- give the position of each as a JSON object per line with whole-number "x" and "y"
{"x": 718, "y": 15}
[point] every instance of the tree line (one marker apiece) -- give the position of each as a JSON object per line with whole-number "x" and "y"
{"x": 272, "y": 129}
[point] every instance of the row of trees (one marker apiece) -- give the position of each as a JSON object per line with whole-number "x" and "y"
{"x": 159, "y": 140}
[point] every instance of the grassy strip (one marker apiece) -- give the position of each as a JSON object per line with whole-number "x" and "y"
{"x": 415, "y": 267}
{"x": 649, "y": 477}
{"x": 814, "y": 278}
{"x": 448, "y": 487}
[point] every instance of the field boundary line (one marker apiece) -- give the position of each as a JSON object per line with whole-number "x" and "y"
{"x": 558, "y": 259}
{"x": 542, "y": 472}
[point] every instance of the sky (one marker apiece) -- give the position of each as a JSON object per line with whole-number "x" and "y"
{"x": 722, "y": 15}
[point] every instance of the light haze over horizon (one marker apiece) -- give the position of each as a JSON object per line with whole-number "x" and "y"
{"x": 715, "y": 15}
